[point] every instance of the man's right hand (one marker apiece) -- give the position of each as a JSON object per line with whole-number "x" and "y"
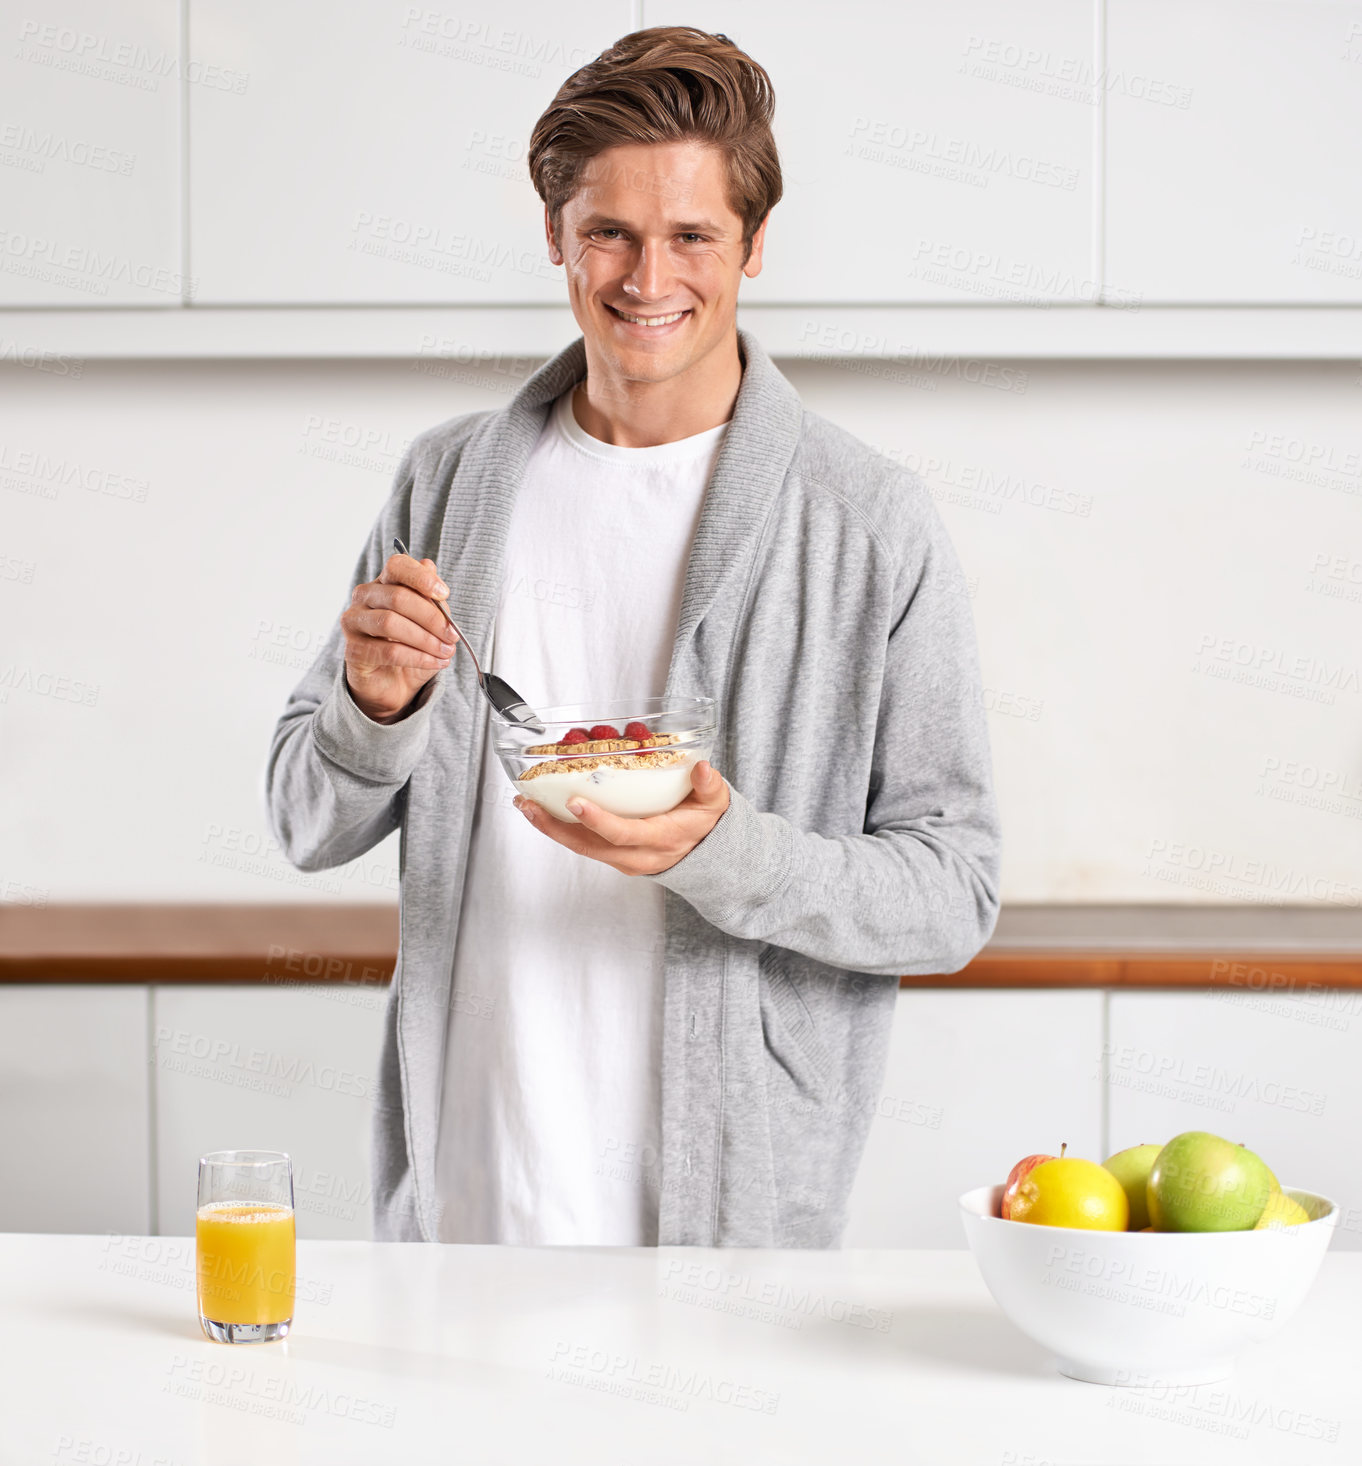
{"x": 396, "y": 638}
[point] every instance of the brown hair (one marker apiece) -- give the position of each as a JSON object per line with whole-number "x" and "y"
{"x": 670, "y": 83}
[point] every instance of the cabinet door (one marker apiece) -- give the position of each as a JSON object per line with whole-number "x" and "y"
{"x": 929, "y": 152}
{"x": 269, "y": 1067}
{"x": 379, "y": 155}
{"x": 975, "y": 1081}
{"x": 90, "y": 155}
{"x": 1233, "y": 150}
{"x": 74, "y": 1109}
{"x": 1264, "y": 1064}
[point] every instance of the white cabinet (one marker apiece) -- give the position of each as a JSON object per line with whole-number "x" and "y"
{"x": 90, "y": 155}
{"x": 1273, "y": 1069}
{"x": 929, "y": 153}
{"x": 379, "y": 155}
{"x": 1233, "y": 150}
{"x": 73, "y": 1109}
{"x": 91, "y": 1129}
{"x": 975, "y": 1081}
{"x": 932, "y": 154}
{"x": 269, "y": 1068}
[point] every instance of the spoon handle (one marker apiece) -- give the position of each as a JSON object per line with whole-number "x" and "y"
{"x": 444, "y": 606}
{"x": 505, "y": 701}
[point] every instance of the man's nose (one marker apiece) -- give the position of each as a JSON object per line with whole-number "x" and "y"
{"x": 651, "y": 276}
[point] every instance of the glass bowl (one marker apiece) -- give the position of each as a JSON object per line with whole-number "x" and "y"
{"x": 630, "y": 776}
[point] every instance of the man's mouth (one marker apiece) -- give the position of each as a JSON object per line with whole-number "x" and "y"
{"x": 651, "y": 323}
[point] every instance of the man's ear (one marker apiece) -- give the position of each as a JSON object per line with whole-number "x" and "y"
{"x": 555, "y": 254}
{"x": 753, "y": 266}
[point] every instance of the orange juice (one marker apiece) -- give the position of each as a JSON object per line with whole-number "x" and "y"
{"x": 245, "y": 1262}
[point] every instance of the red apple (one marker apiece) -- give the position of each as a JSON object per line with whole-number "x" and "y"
{"x": 1019, "y": 1173}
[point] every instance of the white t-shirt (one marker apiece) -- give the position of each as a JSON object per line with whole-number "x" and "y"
{"x": 549, "y": 1120}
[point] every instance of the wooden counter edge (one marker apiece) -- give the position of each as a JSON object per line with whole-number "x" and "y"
{"x": 1274, "y": 971}
{"x": 288, "y": 945}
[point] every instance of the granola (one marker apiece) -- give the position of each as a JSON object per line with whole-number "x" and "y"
{"x": 659, "y": 760}
{"x": 605, "y": 745}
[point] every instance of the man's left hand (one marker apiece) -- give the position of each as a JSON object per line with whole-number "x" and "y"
{"x": 638, "y": 847}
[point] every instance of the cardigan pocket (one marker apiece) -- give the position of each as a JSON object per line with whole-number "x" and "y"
{"x": 791, "y": 1040}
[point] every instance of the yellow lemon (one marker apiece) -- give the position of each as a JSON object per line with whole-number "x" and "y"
{"x": 1281, "y": 1211}
{"x": 1068, "y": 1192}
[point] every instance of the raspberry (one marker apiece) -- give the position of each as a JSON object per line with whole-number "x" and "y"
{"x": 576, "y": 735}
{"x": 637, "y": 731}
{"x": 604, "y": 730}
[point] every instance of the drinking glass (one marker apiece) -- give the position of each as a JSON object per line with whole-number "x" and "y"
{"x": 245, "y": 1246}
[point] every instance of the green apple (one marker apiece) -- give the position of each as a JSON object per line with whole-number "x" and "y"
{"x": 1202, "y": 1183}
{"x": 1272, "y": 1180}
{"x": 1276, "y": 1185}
{"x": 1131, "y": 1168}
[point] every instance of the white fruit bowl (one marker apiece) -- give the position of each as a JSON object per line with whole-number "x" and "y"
{"x": 1146, "y": 1308}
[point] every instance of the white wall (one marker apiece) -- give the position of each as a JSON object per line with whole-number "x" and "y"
{"x": 1140, "y": 541}
{"x": 1164, "y": 558}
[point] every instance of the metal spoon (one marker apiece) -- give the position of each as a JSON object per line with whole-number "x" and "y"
{"x": 506, "y": 702}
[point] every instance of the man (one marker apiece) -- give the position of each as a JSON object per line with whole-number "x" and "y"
{"x": 670, "y": 1029}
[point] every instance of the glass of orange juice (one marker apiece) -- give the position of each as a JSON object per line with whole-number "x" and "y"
{"x": 245, "y": 1246}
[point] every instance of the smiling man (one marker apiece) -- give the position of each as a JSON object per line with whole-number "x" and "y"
{"x": 670, "y": 1029}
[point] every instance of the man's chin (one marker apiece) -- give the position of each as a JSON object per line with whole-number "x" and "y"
{"x": 644, "y": 366}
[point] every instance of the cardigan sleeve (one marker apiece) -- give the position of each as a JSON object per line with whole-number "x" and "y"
{"x": 917, "y": 890}
{"x": 334, "y": 777}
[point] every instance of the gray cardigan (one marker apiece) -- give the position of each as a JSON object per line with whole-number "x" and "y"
{"x": 824, "y": 610}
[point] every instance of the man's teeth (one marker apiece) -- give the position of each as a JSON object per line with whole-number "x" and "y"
{"x": 649, "y": 320}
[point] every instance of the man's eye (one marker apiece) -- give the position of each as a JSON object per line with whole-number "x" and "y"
{"x": 607, "y": 231}
{"x": 692, "y": 236}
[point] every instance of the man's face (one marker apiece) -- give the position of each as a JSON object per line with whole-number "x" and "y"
{"x": 649, "y": 233}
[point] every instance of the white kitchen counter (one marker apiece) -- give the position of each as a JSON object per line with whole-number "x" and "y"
{"x": 413, "y": 1353}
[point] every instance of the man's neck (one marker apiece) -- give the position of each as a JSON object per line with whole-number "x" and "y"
{"x": 634, "y": 414}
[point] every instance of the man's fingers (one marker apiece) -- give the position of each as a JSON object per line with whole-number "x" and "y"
{"x": 592, "y": 822}
{"x": 708, "y": 791}
{"x": 391, "y": 626}
{"x": 707, "y": 782}
{"x": 373, "y": 653}
{"x": 574, "y": 837}
{"x": 631, "y": 846}
{"x": 421, "y": 575}
{"x": 415, "y": 608}
{"x": 608, "y": 826}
